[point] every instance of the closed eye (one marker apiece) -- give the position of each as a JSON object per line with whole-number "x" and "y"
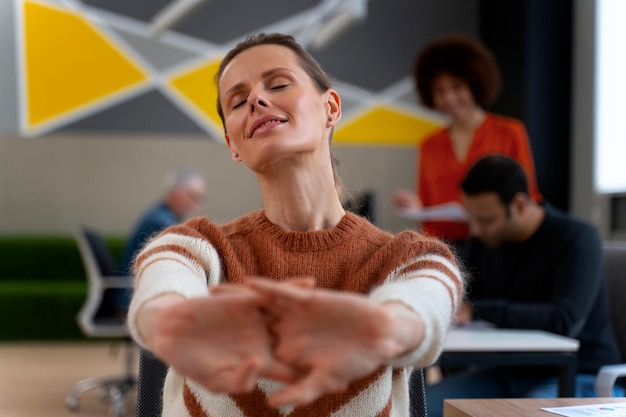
{"x": 241, "y": 103}
{"x": 280, "y": 86}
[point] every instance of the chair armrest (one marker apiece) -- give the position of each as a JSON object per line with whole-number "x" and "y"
{"x": 605, "y": 380}
{"x": 117, "y": 282}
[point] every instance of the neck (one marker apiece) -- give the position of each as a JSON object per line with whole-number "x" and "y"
{"x": 470, "y": 122}
{"x": 534, "y": 218}
{"x": 301, "y": 201}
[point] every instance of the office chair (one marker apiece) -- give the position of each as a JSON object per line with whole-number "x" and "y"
{"x": 417, "y": 392}
{"x": 615, "y": 264}
{"x": 152, "y": 372}
{"x": 99, "y": 318}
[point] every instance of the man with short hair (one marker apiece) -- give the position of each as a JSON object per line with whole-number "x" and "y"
{"x": 530, "y": 266}
{"x": 183, "y": 198}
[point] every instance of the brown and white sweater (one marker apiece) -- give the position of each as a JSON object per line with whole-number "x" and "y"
{"x": 355, "y": 256}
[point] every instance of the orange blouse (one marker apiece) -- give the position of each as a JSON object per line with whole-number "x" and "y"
{"x": 440, "y": 173}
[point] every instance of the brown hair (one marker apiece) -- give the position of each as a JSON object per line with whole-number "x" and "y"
{"x": 461, "y": 56}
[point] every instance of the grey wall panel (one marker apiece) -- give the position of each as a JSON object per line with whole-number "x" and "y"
{"x": 150, "y": 113}
{"x": 9, "y": 121}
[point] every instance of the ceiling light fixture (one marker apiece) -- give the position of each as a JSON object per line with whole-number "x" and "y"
{"x": 171, "y": 15}
{"x": 331, "y": 19}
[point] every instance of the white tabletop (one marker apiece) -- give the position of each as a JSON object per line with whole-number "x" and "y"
{"x": 506, "y": 340}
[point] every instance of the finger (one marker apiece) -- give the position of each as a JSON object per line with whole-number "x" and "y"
{"x": 237, "y": 380}
{"x": 277, "y": 290}
{"x": 280, "y": 371}
{"x": 307, "y": 390}
{"x": 229, "y": 289}
{"x": 302, "y": 282}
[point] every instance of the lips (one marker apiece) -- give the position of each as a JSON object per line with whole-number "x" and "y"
{"x": 265, "y": 122}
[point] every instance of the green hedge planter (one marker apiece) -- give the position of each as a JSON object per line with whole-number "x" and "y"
{"x": 43, "y": 285}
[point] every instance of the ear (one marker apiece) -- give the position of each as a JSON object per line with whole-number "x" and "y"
{"x": 520, "y": 203}
{"x": 333, "y": 109}
{"x": 233, "y": 151}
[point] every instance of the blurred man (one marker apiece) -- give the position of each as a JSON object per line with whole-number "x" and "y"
{"x": 183, "y": 198}
{"x": 531, "y": 266}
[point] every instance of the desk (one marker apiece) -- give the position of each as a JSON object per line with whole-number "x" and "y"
{"x": 512, "y": 347}
{"x": 515, "y": 407}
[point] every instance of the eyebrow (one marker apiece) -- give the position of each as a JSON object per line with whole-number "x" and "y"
{"x": 264, "y": 74}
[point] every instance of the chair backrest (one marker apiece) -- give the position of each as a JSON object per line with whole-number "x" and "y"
{"x": 150, "y": 381}
{"x": 103, "y": 258}
{"x": 98, "y": 316}
{"x": 418, "y": 394}
{"x": 615, "y": 263}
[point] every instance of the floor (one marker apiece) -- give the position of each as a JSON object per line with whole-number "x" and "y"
{"x": 36, "y": 377}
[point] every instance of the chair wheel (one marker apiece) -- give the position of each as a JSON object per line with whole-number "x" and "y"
{"x": 103, "y": 393}
{"x": 118, "y": 401}
{"x": 118, "y": 409}
{"x": 71, "y": 403}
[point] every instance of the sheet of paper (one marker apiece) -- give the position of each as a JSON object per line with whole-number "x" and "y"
{"x": 449, "y": 211}
{"x": 599, "y": 410}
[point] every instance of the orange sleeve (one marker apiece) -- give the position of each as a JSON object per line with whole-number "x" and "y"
{"x": 525, "y": 158}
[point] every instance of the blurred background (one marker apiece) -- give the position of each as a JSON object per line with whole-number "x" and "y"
{"x": 100, "y": 99}
{"x": 98, "y": 104}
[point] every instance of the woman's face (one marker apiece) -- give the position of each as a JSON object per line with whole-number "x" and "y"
{"x": 271, "y": 107}
{"x": 453, "y": 96}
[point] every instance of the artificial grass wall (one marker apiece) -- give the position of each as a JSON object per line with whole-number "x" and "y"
{"x": 45, "y": 258}
{"x": 43, "y": 285}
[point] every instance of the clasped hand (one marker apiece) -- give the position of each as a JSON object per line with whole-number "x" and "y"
{"x": 315, "y": 341}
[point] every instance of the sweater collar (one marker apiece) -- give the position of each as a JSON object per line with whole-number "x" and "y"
{"x": 314, "y": 240}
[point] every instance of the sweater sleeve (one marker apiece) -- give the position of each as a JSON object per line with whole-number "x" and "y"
{"x": 176, "y": 261}
{"x": 432, "y": 286}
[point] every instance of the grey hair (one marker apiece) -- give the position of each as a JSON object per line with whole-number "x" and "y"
{"x": 180, "y": 178}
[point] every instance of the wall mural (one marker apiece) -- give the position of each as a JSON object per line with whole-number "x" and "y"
{"x": 84, "y": 68}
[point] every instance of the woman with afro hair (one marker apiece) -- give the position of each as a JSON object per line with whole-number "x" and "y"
{"x": 458, "y": 76}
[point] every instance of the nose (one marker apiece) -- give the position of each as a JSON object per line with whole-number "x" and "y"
{"x": 447, "y": 95}
{"x": 256, "y": 100}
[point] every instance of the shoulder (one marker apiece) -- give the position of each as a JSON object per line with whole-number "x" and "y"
{"x": 203, "y": 226}
{"x": 569, "y": 224}
{"x": 504, "y": 125}
{"x": 435, "y": 139}
{"x": 575, "y": 238}
{"x": 156, "y": 219}
{"x": 500, "y": 121}
{"x": 245, "y": 224}
{"x": 363, "y": 228}
{"x": 406, "y": 243}
{"x": 410, "y": 245}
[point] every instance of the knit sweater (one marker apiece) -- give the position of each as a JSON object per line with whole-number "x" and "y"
{"x": 354, "y": 256}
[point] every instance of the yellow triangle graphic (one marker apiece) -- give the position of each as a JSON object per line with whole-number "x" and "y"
{"x": 69, "y": 64}
{"x": 384, "y": 126}
{"x": 199, "y": 88}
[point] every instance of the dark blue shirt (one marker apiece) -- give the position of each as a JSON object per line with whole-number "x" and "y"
{"x": 156, "y": 219}
{"x": 554, "y": 281}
